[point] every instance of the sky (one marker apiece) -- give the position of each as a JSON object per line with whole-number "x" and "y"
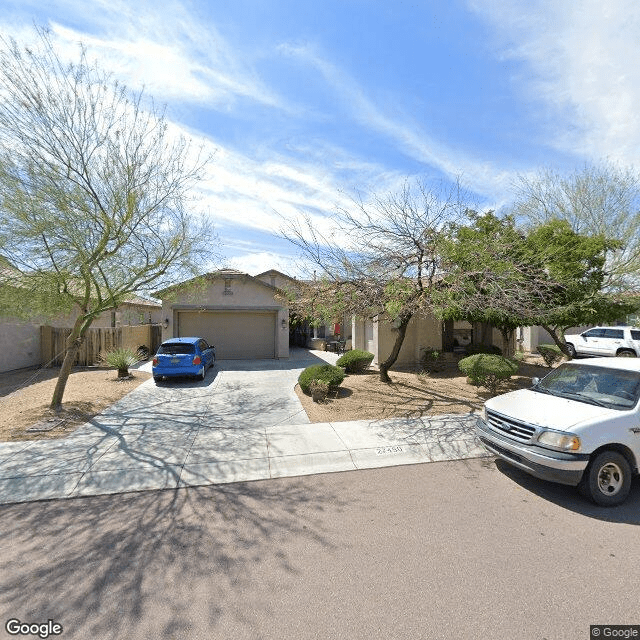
{"x": 305, "y": 105}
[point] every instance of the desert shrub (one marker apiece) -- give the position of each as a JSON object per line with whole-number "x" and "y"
{"x": 355, "y": 361}
{"x": 121, "y": 359}
{"x": 472, "y": 349}
{"x": 487, "y": 370}
{"x": 333, "y": 376}
{"x": 431, "y": 360}
{"x": 550, "y": 354}
{"x": 319, "y": 390}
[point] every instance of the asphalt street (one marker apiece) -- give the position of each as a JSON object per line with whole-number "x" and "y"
{"x": 465, "y": 549}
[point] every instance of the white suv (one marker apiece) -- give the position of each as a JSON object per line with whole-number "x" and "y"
{"x": 605, "y": 341}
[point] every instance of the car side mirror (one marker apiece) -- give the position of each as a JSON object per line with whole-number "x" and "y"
{"x": 535, "y": 381}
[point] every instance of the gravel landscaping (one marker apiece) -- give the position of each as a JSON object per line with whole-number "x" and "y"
{"x": 25, "y": 396}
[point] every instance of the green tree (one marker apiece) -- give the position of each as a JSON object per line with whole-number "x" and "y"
{"x": 596, "y": 200}
{"x": 491, "y": 274}
{"x": 93, "y": 193}
{"x": 382, "y": 259}
{"x": 576, "y": 265}
{"x": 550, "y": 276}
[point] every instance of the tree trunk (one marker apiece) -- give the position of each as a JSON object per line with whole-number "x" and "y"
{"x": 506, "y": 342}
{"x": 74, "y": 341}
{"x": 390, "y": 361}
{"x": 558, "y": 337}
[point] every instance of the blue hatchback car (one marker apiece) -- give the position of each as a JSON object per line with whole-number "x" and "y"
{"x": 183, "y": 357}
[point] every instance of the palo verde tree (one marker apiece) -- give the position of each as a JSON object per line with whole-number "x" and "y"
{"x": 93, "y": 192}
{"x": 382, "y": 259}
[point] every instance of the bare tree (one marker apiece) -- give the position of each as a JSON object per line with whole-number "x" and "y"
{"x": 382, "y": 259}
{"x": 93, "y": 192}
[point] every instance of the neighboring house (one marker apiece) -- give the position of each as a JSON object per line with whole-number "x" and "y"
{"x": 377, "y": 335}
{"x": 241, "y": 315}
{"x": 21, "y": 345}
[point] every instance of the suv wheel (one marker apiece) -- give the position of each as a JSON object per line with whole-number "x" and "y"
{"x": 572, "y": 350}
{"x": 626, "y": 353}
{"x": 607, "y": 479}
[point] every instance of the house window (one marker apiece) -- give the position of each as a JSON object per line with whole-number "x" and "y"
{"x": 273, "y": 281}
{"x": 227, "y": 287}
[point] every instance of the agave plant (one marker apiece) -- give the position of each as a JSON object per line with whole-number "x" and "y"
{"x": 121, "y": 359}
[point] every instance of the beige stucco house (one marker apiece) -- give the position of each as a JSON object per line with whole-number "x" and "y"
{"x": 248, "y": 317}
{"x": 241, "y": 315}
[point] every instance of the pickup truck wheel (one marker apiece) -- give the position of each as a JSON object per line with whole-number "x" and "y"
{"x": 607, "y": 479}
{"x": 626, "y": 353}
{"x": 571, "y": 349}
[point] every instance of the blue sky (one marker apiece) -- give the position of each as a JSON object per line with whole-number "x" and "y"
{"x": 304, "y": 103}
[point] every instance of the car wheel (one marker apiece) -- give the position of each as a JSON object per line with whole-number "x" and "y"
{"x": 607, "y": 479}
{"x": 626, "y": 353}
{"x": 572, "y": 350}
{"x": 157, "y": 378}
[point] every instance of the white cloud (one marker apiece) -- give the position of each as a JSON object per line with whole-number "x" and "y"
{"x": 254, "y": 263}
{"x": 158, "y": 45}
{"x": 582, "y": 58}
{"x": 480, "y": 175}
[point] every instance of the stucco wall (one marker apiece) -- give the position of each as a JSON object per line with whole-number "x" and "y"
{"x": 19, "y": 346}
{"x": 422, "y": 332}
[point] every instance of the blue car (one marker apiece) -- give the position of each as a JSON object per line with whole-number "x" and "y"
{"x": 179, "y": 357}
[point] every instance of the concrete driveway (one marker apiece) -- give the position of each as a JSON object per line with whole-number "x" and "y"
{"x": 243, "y": 422}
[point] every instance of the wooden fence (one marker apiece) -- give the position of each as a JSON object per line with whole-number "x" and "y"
{"x": 53, "y": 342}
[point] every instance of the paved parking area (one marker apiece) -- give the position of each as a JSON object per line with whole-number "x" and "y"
{"x": 244, "y": 422}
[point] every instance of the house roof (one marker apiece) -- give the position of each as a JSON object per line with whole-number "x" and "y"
{"x": 275, "y": 272}
{"x": 215, "y": 275}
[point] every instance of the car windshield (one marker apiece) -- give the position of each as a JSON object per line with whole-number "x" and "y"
{"x": 176, "y": 348}
{"x": 602, "y": 386}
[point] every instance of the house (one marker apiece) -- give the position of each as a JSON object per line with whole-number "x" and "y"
{"x": 247, "y": 316}
{"x": 21, "y": 343}
{"x": 241, "y": 315}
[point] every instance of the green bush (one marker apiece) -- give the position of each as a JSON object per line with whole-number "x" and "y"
{"x": 487, "y": 370}
{"x": 333, "y": 376}
{"x": 355, "y": 361}
{"x": 550, "y": 354}
{"x": 472, "y": 349}
{"x": 121, "y": 359}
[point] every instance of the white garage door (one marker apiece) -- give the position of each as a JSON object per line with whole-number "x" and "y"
{"x": 235, "y": 334}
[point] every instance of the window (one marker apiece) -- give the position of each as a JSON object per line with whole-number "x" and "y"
{"x": 594, "y": 333}
{"x": 177, "y": 348}
{"x": 617, "y": 334}
{"x": 635, "y": 335}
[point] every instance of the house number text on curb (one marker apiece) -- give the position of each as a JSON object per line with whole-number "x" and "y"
{"x": 381, "y": 451}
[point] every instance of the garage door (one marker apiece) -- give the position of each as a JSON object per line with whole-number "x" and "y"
{"x": 235, "y": 334}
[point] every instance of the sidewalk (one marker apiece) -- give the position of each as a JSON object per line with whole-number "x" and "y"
{"x": 90, "y": 463}
{"x": 157, "y": 438}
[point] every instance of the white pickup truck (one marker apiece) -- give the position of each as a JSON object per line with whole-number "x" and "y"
{"x": 579, "y": 425}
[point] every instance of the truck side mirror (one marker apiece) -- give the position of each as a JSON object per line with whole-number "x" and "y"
{"x": 535, "y": 381}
